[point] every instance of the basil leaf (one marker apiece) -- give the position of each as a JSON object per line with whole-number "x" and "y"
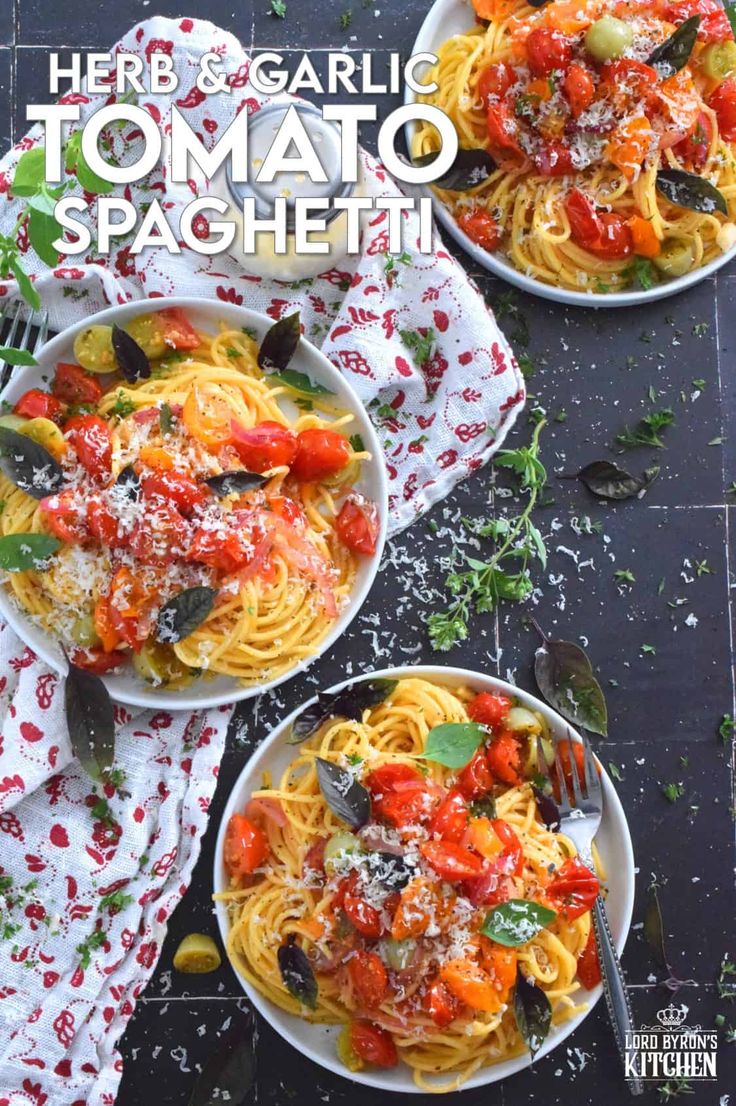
{"x": 469, "y": 169}
{"x": 90, "y": 720}
{"x": 43, "y": 231}
{"x": 731, "y": 13}
{"x": 532, "y": 1011}
{"x": 279, "y": 345}
{"x": 131, "y": 359}
{"x": 129, "y": 479}
{"x": 390, "y": 870}
{"x": 654, "y": 928}
{"x": 166, "y": 419}
{"x": 300, "y": 382}
{"x": 29, "y": 465}
{"x": 229, "y": 1075}
{"x": 25, "y": 285}
{"x": 29, "y": 172}
{"x": 672, "y": 54}
{"x": 297, "y": 972}
{"x": 453, "y": 743}
{"x": 515, "y": 922}
{"x": 13, "y": 356}
{"x": 183, "y": 613}
{"x": 240, "y": 480}
{"x": 547, "y": 807}
{"x": 608, "y": 481}
{"x": 691, "y": 191}
{"x": 356, "y": 443}
{"x": 350, "y": 703}
{"x": 19, "y": 552}
{"x": 89, "y": 180}
{"x": 344, "y": 795}
{"x": 565, "y": 678}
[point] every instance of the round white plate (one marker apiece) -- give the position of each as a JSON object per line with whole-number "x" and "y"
{"x": 454, "y": 17}
{"x": 318, "y": 1041}
{"x": 206, "y": 315}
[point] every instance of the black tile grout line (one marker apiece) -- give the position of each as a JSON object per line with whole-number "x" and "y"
{"x": 13, "y": 67}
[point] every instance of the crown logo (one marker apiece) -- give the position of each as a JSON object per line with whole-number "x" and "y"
{"x": 672, "y": 1016}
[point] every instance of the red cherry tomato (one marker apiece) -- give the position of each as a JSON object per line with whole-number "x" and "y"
{"x": 103, "y": 525}
{"x": 503, "y": 129}
{"x": 228, "y": 551}
{"x": 441, "y": 1004}
{"x": 450, "y": 819}
{"x": 266, "y": 446}
{"x": 589, "y": 968}
{"x": 604, "y": 233}
{"x": 95, "y": 661}
{"x": 319, "y": 454}
{"x": 161, "y": 535}
{"x": 547, "y": 50}
{"x": 495, "y": 81}
{"x": 384, "y": 779}
{"x": 71, "y": 384}
{"x": 585, "y": 226}
{"x": 246, "y": 846}
{"x": 694, "y": 148}
{"x": 510, "y": 861}
{"x": 373, "y": 1045}
{"x": 36, "y": 404}
{"x": 357, "y": 524}
{"x": 406, "y": 808}
{"x": 481, "y": 228}
{"x": 554, "y": 159}
{"x": 504, "y": 759}
{"x": 579, "y": 88}
{"x": 489, "y": 710}
{"x": 451, "y": 862}
{"x": 65, "y": 516}
{"x": 369, "y": 977}
{"x": 288, "y": 509}
{"x": 723, "y": 102}
{"x": 90, "y": 436}
{"x": 131, "y": 608}
{"x": 364, "y": 917}
{"x": 575, "y": 888}
{"x": 476, "y": 779}
{"x": 182, "y": 491}
{"x": 178, "y": 331}
{"x": 714, "y": 24}
{"x": 490, "y": 888}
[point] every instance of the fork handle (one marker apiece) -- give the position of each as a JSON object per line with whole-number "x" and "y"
{"x": 617, "y": 997}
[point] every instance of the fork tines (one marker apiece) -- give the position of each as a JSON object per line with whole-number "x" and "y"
{"x": 19, "y": 336}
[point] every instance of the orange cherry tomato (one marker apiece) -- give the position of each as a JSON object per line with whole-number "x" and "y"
{"x": 319, "y": 454}
{"x": 589, "y": 968}
{"x": 504, "y": 759}
{"x": 579, "y": 88}
{"x": 64, "y": 516}
{"x": 475, "y": 780}
{"x": 441, "y": 1004}
{"x": 90, "y": 436}
{"x": 36, "y": 404}
{"x": 131, "y": 608}
{"x": 630, "y": 144}
{"x": 575, "y": 887}
{"x": 182, "y": 491}
{"x": 357, "y": 524}
{"x": 264, "y": 447}
{"x": 71, "y": 384}
{"x": 368, "y": 976}
{"x": 547, "y": 50}
{"x": 450, "y": 819}
{"x": 643, "y": 237}
{"x": 488, "y": 709}
{"x": 500, "y": 964}
{"x": 723, "y": 102}
{"x": 108, "y": 635}
{"x": 471, "y": 985}
{"x": 373, "y": 1045}
{"x": 480, "y": 227}
{"x": 246, "y": 846}
{"x": 450, "y": 861}
{"x": 208, "y": 416}
{"x": 178, "y": 331}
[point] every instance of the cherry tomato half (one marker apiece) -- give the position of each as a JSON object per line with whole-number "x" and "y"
{"x": 36, "y": 404}
{"x": 579, "y": 88}
{"x": 373, "y": 1045}
{"x": 714, "y": 23}
{"x": 481, "y": 228}
{"x": 178, "y": 331}
{"x": 368, "y": 976}
{"x": 319, "y": 454}
{"x": 451, "y": 862}
{"x": 71, "y": 384}
{"x": 489, "y": 710}
{"x": 357, "y": 524}
{"x": 364, "y": 917}
{"x": 65, "y": 516}
{"x": 547, "y": 50}
{"x": 476, "y": 779}
{"x": 442, "y": 1006}
{"x": 246, "y": 846}
{"x": 450, "y": 819}
{"x": 723, "y": 102}
{"x": 182, "y": 491}
{"x": 90, "y": 436}
{"x": 504, "y": 759}
{"x": 575, "y": 887}
{"x": 266, "y": 446}
{"x": 495, "y": 81}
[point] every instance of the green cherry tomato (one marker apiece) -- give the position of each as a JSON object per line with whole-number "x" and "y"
{"x": 675, "y": 258}
{"x": 608, "y": 38}
{"x": 718, "y": 59}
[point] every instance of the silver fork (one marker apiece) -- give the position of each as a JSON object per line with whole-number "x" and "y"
{"x": 579, "y": 820}
{"x": 19, "y": 336}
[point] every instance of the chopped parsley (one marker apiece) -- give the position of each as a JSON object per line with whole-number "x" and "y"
{"x": 673, "y": 791}
{"x": 647, "y": 430}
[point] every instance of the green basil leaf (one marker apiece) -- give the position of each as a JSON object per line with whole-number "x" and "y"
{"x": 13, "y": 356}
{"x": 674, "y": 53}
{"x": 515, "y": 922}
{"x": 29, "y": 172}
{"x": 731, "y": 13}
{"x": 279, "y": 345}
{"x": 25, "y": 285}
{"x": 608, "y": 481}
{"x": 43, "y": 230}
{"x": 181, "y": 616}
{"x": 350, "y": 703}
{"x": 469, "y": 169}
{"x": 453, "y": 743}
{"x": 300, "y": 382}
{"x": 28, "y": 465}
{"x": 532, "y": 1011}
{"x": 297, "y": 973}
{"x": 19, "y": 552}
{"x": 691, "y": 191}
{"x": 565, "y": 678}
{"x": 356, "y": 443}
{"x": 344, "y": 795}
{"x": 88, "y": 180}
{"x": 165, "y": 418}
{"x": 90, "y": 720}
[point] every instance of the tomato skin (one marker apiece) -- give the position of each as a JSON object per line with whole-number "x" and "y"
{"x": 266, "y": 446}
{"x": 510, "y": 860}
{"x": 475, "y": 780}
{"x": 64, "y": 519}
{"x": 481, "y": 228}
{"x": 384, "y": 778}
{"x": 405, "y": 808}
{"x": 173, "y": 487}
{"x": 35, "y": 404}
{"x": 605, "y": 234}
{"x": 162, "y": 534}
{"x": 503, "y": 129}
{"x": 488, "y": 709}
{"x": 554, "y": 160}
{"x": 579, "y": 88}
{"x": 576, "y": 888}
{"x": 723, "y": 102}
{"x": 103, "y": 525}
{"x": 368, "y": 976}
{"x": 694, "y": 148}
{"x": 589, "y": 968}
{"x": 504, "y": 759}
{"x": 714, "y": 24}
{"x": 71, "y": 384}
{"x": 450, "y": 819}
{"x": 585, "y": 225}
{"x": 357, "y": 524}
{"x": 442, "y": 1006}
{"x": 94, "y": 661}
{"x": 178, "y": 331}
{"x": 547, "y": 50}
{"x": 495, "y": 81}
{"x": 319, "y": 454}
{"x": 450, "y": 861}
{"x": 373, "y": 1045}
{"x": 364, "y": 917}
{"x": 90, "y": 436}
{"x": 246, "y": 846}
{"x": 226, "y": 552}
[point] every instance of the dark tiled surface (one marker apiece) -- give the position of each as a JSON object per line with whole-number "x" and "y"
{"x": 594, "y": 374}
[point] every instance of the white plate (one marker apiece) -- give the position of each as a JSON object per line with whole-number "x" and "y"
{"x": 206, "y": 315}
{"x": 454, "y": 17}
{"x": 318, "y": 1041}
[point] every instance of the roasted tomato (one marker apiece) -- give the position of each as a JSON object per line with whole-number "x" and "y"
{"x": 71, "y": 384}
{"x": 475, "y": 780}
{"x": 227, "y": 550}
{"x": 173, "y": 487}
{"x": 373, "y": 1045}
{"x": 451, "y": 862}
{"x": 106, "y": 632}
{"x": 364, "y": 917}
{"x": 503, "y": 129}
{"x": 495, "y": 81}
{"x": 504, "y": 759}
{"x": 579, "y": 88}
{"x": 319, "y": 454}
{"x": 64, "y": 515}
{"x": 694, "y": 148}
{"x": 90, "y": 436}
{"x": 511, "y": 858}
{"x": 178, "y": 331}
{"x": 161, "y": 535}
{"x": 574, "y": 887}
{"x": 723, "y": 102}
{"x": 450, "y": 819}
{"x": 357, "y": 524}
{"x": 481, "y": 228}
{"x": 489, "y": 710}
{"x": 96, "y": 661}
{"x": 207, "y": 416}
{"x": 264, "y": 447}
{"x": 399, "y": 795}
{"x": 471, "y": 985}
{"x": 36, "y": 404}
{"x": 368, "y": 977}
{"x": 554, "y": 159}
{"x": 547, "y": 50}
{"x": 442, "y": 1006}
{"x": 288, "y": 509}
{"x": 589, "y": 968}
{"x": 714, "y": 23}
{"x": 131, "y": 608}
{"x": 605, "y": 234}
{"x": 246, "y": 846}
{"x": 103, "y": 524}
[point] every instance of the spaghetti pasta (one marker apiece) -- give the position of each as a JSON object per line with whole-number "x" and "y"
{"x": 140, "y": 520}
{"x": 584, "y": 135}
{"x": 404, "y": 962}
